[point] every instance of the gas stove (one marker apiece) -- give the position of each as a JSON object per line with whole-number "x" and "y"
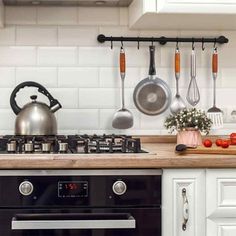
{"x": 69, "y": 144}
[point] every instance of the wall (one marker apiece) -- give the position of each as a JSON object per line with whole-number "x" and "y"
{"x": 57, "y": 47}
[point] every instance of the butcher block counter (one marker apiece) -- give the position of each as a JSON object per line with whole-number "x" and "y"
{"x": 160, "y": 155}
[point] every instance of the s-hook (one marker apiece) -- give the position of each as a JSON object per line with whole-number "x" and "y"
{"x": 122, "y": 44}
{"x": 193, "y": 47}
{"x": 111, "y": 42}
{"x": 138, "y": 43}
{"x": 215, "y": 45}
{"x": 203, "y": 47}
{"x": 177, "y": 43}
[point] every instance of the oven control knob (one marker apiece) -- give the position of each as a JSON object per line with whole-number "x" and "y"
{"x": 119, "y": 187}
{"x": 26, "y": 188}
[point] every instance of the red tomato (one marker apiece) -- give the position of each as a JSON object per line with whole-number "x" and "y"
{"x": 233, "y": 135}
{"x": 207, "y": 143}
{"x": 218, "y": 142}
{"x": 233, "y": 141}
{"x": 225, "y": 144}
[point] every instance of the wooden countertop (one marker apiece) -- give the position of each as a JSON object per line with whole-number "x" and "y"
{"x": 161, "y": 155}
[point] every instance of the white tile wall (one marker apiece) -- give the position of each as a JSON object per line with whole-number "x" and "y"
{"x": 58, "y": 48}
{"x": 36, "y": 35}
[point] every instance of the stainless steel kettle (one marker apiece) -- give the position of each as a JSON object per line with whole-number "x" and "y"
{"x": 35, "y": 118}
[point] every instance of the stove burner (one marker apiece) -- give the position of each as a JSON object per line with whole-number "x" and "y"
{"x": 70, "y": 144}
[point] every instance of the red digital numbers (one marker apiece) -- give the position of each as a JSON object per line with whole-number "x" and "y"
{"x": 71, "y": 186}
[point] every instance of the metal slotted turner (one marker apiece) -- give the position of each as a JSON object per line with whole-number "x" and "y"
{"x": 214, "y": 113}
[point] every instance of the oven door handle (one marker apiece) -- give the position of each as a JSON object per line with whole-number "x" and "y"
{"x": 72, "y": 221}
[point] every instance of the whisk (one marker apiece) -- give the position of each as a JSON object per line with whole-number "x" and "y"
{"x": 193, "y": 94}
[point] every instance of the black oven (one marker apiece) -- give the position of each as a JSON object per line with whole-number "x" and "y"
{"x": 80, "y": 203}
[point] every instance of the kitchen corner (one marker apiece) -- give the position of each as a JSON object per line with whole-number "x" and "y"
{"x": 115, "y": 118}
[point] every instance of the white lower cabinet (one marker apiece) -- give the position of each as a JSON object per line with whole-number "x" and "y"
{"x": 221, "y": 202}
{"x": 221, "y": 227}
{"x": 183, "y": 202}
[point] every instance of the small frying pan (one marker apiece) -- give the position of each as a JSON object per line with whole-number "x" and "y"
{"x": 152, "y": 96}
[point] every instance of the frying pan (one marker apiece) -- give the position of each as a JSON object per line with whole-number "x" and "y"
{"x": 152, "y": 96}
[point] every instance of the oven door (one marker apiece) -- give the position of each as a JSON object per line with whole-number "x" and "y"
{"x": 87, "y": 222}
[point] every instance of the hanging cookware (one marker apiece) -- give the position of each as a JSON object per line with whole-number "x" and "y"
{"x": 152, "y": 96}
{"x": 193, "y": 94}
{"x": 178, "y": 103}
{"x": 35, "y": 118}
{"x": 123, "y": 118}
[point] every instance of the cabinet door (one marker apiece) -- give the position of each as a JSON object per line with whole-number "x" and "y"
{"x": 221, "y": 227}
{"x": 196, "y": 6}
{"x": 178, "y": 187}
{"x": 221, "y": 193}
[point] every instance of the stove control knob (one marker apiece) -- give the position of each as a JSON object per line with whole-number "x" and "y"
{"x": 119, "y": 187}
{"x": 26, "y": 188}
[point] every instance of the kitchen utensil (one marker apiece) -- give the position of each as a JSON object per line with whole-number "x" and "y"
{"x": 152, "y": 96}
{"x": 35, "y": 118}
{"x": 183, "y": 149}
{"x": 178, "y": 103}
{"x": 214, "y": 113}
{"x": 123, "y": 118}
{"x": 193, "y": 95}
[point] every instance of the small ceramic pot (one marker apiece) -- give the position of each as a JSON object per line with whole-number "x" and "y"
{"x": 190, "y": 137}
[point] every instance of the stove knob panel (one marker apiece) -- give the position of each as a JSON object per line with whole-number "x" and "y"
{"x": 26, "y": 188}
{"x": 119, "y": 187}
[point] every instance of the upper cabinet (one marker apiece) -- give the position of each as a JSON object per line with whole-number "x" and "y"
{"x": 183, "y": 14}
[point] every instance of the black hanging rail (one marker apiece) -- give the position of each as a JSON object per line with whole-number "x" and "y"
{"x": 162, "y": 40}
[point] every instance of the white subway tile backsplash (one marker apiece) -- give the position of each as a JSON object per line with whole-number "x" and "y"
{"x": 47, "y": 76}
{"x": 7, "y": 77}
{"x": 98, "y": 98}
{"x": 153, "y": 122}
{"x": 77, "y": 36}
{"x": 57, "y": 16}
{"x": 98, "y": 56}
{"x": 7, "y": 35}
{"x": 78, "y": 77}
{"x": 110, "y": 77}
{"x": 98, "y": 16}
{"x": 118, "y": 31}
{"x": 228, "y": 77}
{"x": 20, "y": 15}
{"x": 57, "y": 47}
{"x": 36, "y": 35}
{"x": 226, "y": 57}
{"x": 7, "y": 119}
{"x": 17, "y": 56}
{"x": 78, "y": 119}
{"x": 5, "y": 97}
{"x": 57, "y": 56}
{"x": 68, "y": 97}
{"x": 138, "y": 58}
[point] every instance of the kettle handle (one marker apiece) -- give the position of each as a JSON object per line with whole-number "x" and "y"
{"x": 54, "y": 104}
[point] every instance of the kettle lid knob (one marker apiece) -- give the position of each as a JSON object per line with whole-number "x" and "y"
{"x": 34, "y": 97}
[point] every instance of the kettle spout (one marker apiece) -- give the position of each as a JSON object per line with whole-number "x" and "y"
{"x": 55, "y": 106}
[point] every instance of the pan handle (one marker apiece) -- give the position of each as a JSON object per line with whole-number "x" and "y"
{"x": 152, "y": 68}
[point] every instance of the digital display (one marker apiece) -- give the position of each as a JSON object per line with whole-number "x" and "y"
{"x": 72, "y": 189}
